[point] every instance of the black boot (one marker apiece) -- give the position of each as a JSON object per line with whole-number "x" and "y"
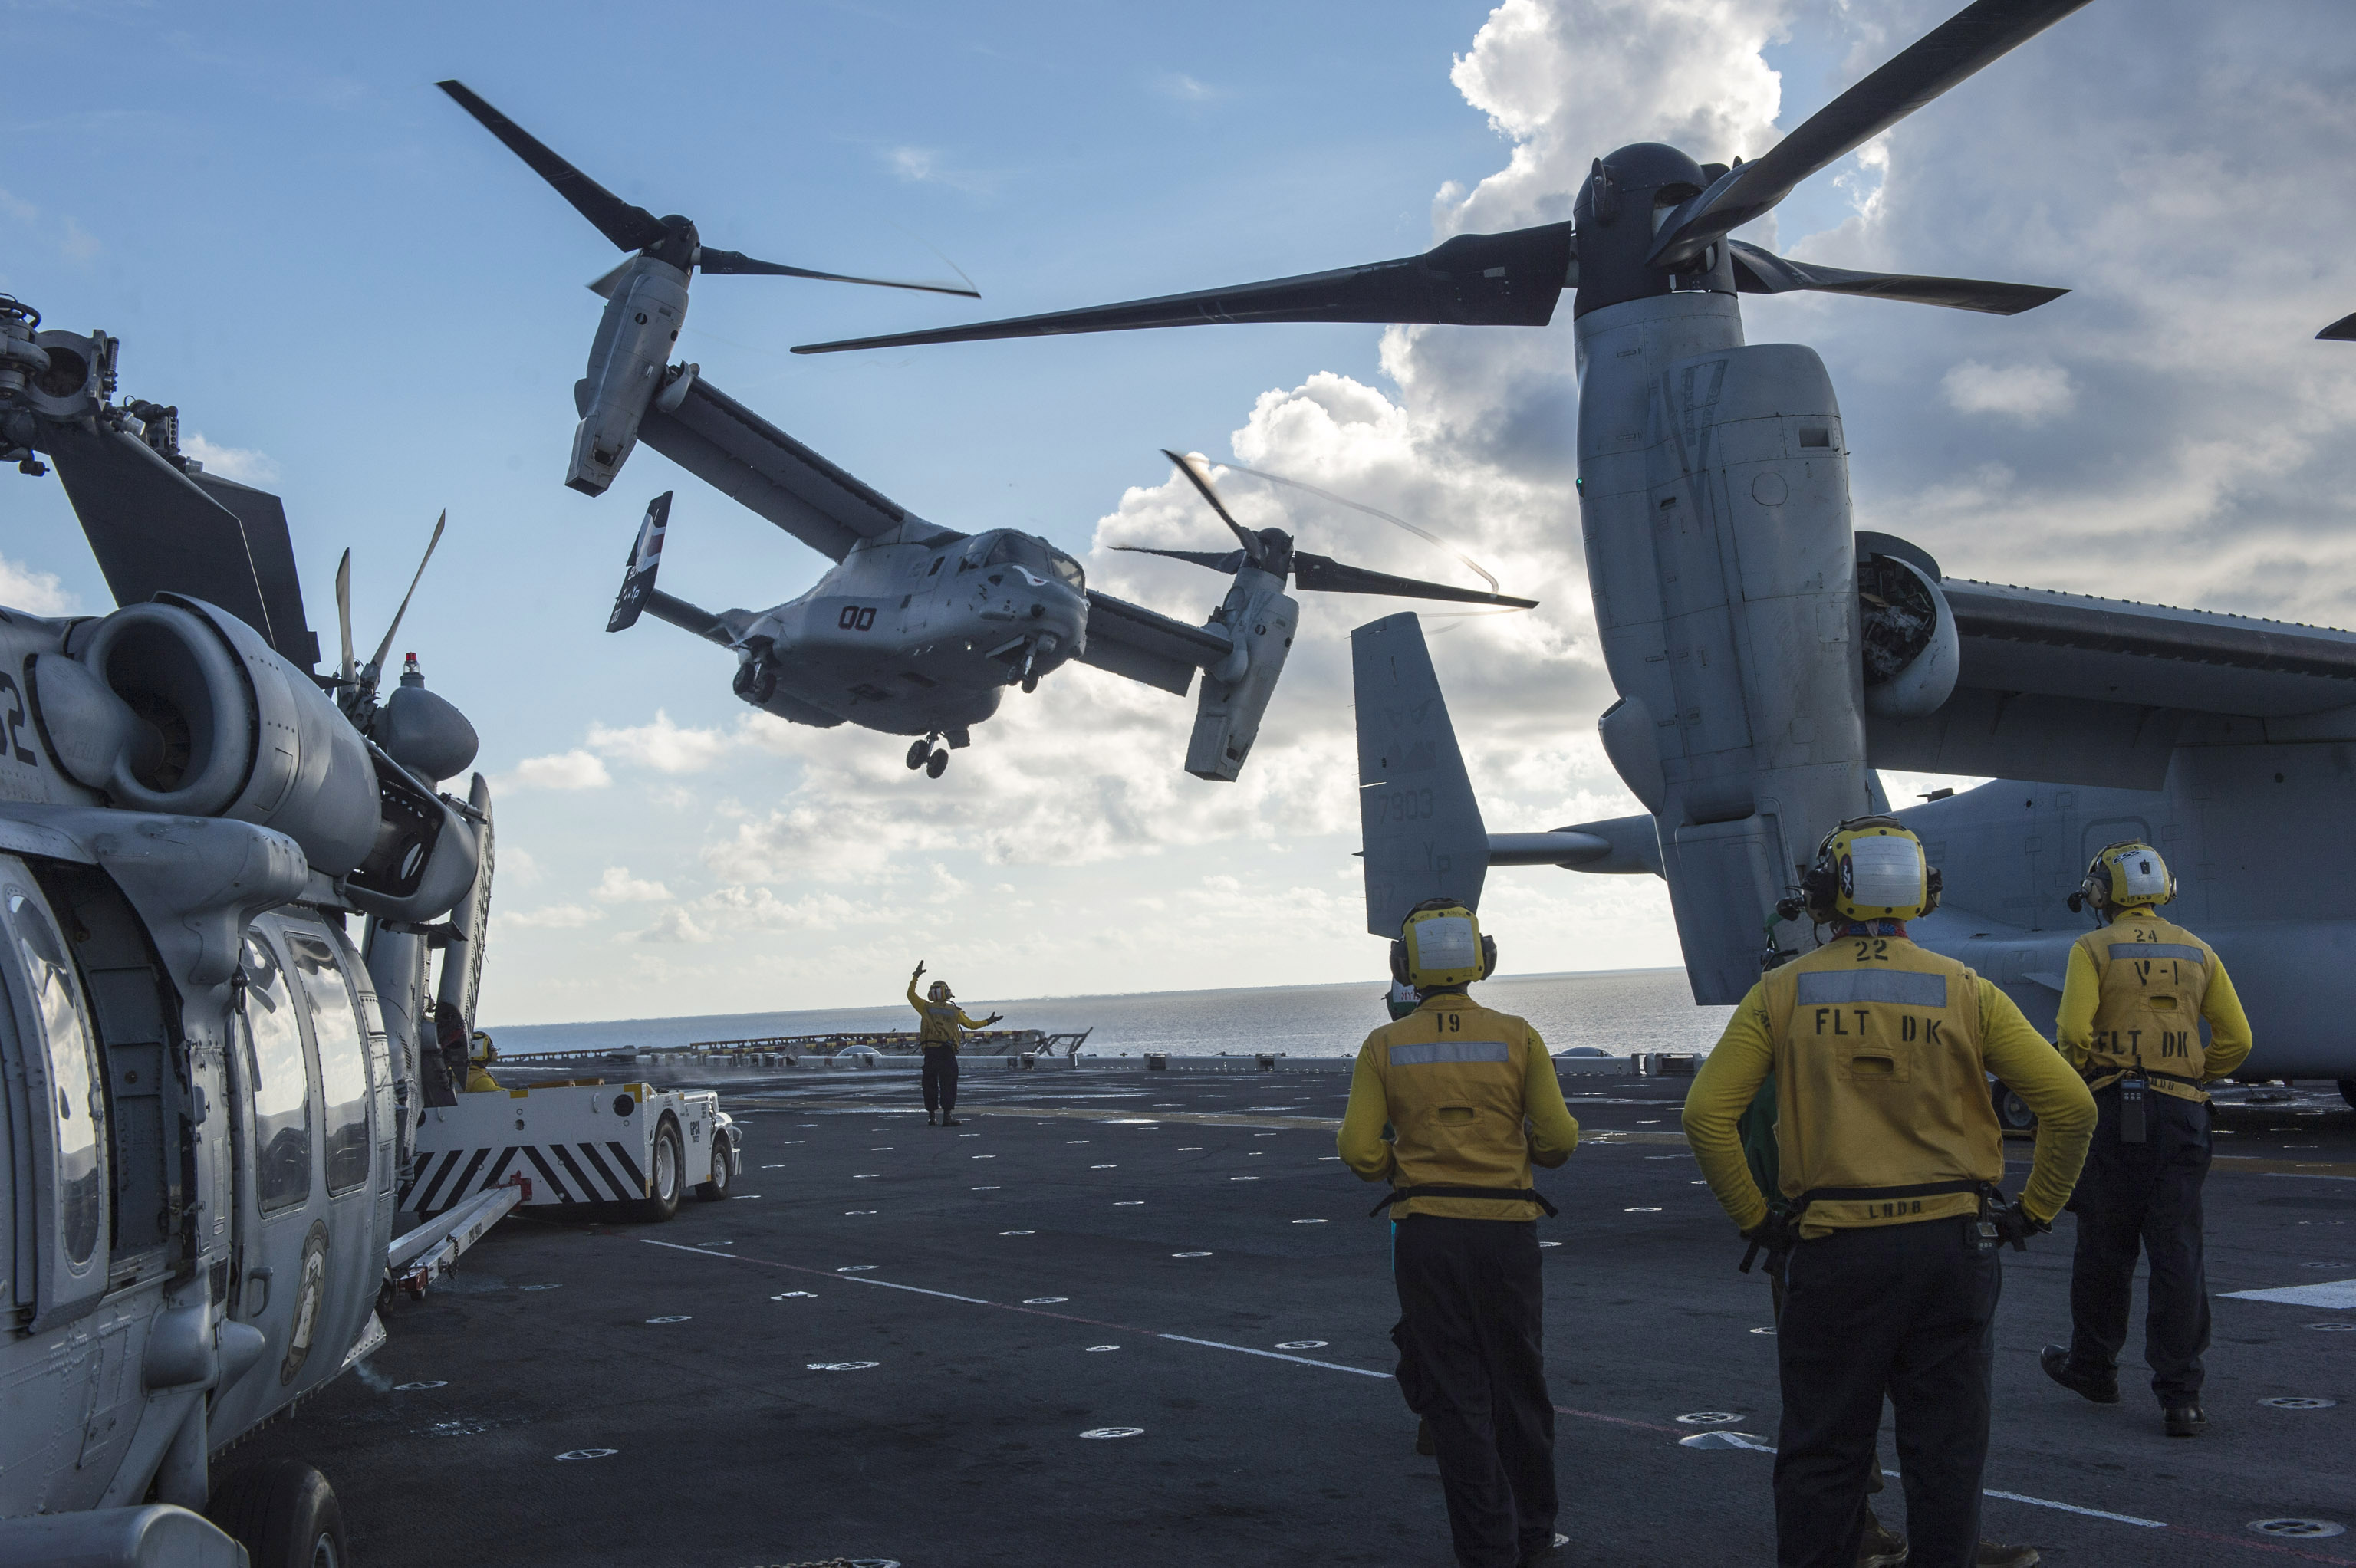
{"x": 948, "y": 1120}
{"x": 2055, "y": 1359}
{"x": 2186, "y": 1420}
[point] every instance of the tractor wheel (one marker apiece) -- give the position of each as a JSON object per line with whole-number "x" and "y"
{"x": 283, "y": 1513}
{"x": 713, "y": 1190}
{"x": 665, "y": 1173}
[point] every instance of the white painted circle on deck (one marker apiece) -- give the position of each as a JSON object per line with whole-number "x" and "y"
{"x": 1114, "y": 1432}
{"x": 1043, "y": 1300}
{"x": 1641, "y": 1209}
{"x": 1303, "y": 1344}
{"x": 794, "y": 1296}
{"x": 841, "y": 1366}
{"x": 1309, "y": 1221}
{"x": 1094, "y": 1349}
{"x": 1769, "y": 1332}
{"x": 1708, "y": 1418}
{"x": 2298, "y": 1528}
{"x": 588, "y": 1453}
{"x": 540, "y": 1287}
{"x": 847, "y": 1212}
{"x": 1190, "y": 1254}
{"x": 419, "y": 1388}
{"x": 1018, "y": 1232}
{"x": 2297, "y": 1402}
{"x": 682, "y": 1318}
{"x": 2333, "y": 1328}
{"x": 854, "y": 1269}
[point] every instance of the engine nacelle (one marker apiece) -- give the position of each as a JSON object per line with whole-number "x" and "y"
{"x": 221, "y": 725}
{"x": 1260, "y": 618}
{"x": 1908, "y": 642}
{"x": 627, "y": 369}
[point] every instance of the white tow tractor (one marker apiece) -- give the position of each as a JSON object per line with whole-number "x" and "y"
{"x": 578, "y": 1141}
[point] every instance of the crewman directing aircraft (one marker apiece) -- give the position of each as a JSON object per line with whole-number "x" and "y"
{"x": 944, "y": 1028}
{"x": 1890, "y": 1155}
{"x": 1474, "y": 1100}
{"x": 2139, "y": 988}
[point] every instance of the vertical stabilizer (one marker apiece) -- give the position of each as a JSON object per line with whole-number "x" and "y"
{"x": 1417, "y": 817}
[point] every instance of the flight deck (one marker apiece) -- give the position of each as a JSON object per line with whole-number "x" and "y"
{"x": 1143, "y": 1318}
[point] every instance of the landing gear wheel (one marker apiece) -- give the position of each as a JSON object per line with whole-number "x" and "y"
{"x": 919, "y": 752}
{"x": 713, "y": 1190}
{"x": 283, "y": 1513}
{"x": 663, "y": 1176}
{"x": 1030, "y": 684}
{"x": 936, "y": 764}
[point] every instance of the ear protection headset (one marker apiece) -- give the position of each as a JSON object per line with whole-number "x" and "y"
{"x": 1869, "y": 868}
{"x": 940, "y": 991}
{"x": 2125, "y": 874}
{"x": 1441, "y": 945}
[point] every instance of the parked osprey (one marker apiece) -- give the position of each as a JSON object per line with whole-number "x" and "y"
{"x": 918, "y": 629}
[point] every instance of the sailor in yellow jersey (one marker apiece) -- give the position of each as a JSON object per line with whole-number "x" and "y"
{"x": 1890, "y": 1156}
{"x": 2138, "y": 991}
{"x": 942, "y": 1035}
{"x": 478, "y": 1065}
{"x": 1472, "y": 1099}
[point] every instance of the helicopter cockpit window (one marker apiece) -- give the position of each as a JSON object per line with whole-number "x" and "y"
{"x": 1068, "y": 570}
{"x": 281, "y": 1086}
{"x": 343, "y": 1059}
{"x": 73, "y": 1077}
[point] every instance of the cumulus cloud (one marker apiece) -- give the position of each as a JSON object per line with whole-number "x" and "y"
{"x": 241, "y": 463}
{"x": 2018, "y": 391}
{"x": 38, "y": 591}
{"x": 664, "y": 746}
{"x": 562, "y": 770}
{"x": 674, "y": 925}
{"x": 617, "y": 886}
{"x": 553, "y": 917}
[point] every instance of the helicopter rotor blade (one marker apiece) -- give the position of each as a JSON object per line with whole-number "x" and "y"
{"x": 1323, "y": 574}
{"x": 1758, "y": 271}
{"x": 1227, "y": 564}
{"x": 1253, "y": 549}
{"x": 627, "y": 225}
{"x": 713, "y": 260}
{"x": 1512, "y": 279}
{"x": 1479, "y": 570}
{"x": 376, "y": 665}
{"x": 1973, "y": 37}
{"x": 2340, "y": 331}
{"x": 345, "y": 671}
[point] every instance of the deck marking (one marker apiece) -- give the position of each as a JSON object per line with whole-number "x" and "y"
{"x": 1272, "y": 1355}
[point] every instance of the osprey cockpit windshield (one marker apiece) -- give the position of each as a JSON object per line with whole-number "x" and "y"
{"x": 1035, "y": 557}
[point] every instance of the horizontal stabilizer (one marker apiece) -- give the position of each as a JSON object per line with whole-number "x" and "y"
{"x": 688, "y": 618}
{"x": 1420, "y": 826}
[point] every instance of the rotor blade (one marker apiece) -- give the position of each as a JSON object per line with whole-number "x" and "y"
{"x": 711, "y": 261}
{"x": 1477, "y": 569}
{"x": 2340, "y": 331}
{"x": 1973, "y": 37}
{"x": 1474, "y": 280}
{"x": 1252, "y": 550}
{"x": 345, "y": 671}
{"x": 385, "y": 646}
{"x": 1227, "y": 564}
{"x": 628, "y": 226}
{"x": 1323, "y": 574}
{"x": 1758, "y": 271}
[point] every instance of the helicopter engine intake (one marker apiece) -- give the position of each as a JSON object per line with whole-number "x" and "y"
{"x": 1908, "y": 641}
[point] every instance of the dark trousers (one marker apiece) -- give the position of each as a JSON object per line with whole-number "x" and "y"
{"x": 2144, "y": 1197}
{"x": 1472, "y": 1363}
{"x": 1903, "y": 1311}
{"x": 940, "y": 1079}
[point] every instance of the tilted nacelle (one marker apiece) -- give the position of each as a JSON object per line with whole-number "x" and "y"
{"x": 1260, "y": 618}
{"x": 646, "y": 306}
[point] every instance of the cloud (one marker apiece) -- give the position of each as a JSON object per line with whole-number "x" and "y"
{"x": 517, "y": 866}
{"x": 241, "y": 464}
{"x": 550, "y": 917}
{"x": 1186, "y": 90}
{"x": 664, "y": 746}
{"x": 37, "y": 593}
{"x": 674, "y": 925}
{"x": 2019, "y": 391}
{"x": 927, "y": 166}
{"x": 562, "y": 770}
{"x": 617, "y": 886}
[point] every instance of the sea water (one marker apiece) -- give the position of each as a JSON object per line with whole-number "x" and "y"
{"x": 1618, "y": 1012}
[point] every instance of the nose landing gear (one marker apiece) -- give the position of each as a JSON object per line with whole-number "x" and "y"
{"x": 922, "y": 755}
{"x": 919, "y": 752}
{"x": 936, "y": 764}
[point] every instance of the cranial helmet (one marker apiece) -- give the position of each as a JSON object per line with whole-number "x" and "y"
{"x": 1441, "y": 945}
{"x": 940, "y": 991}
{"x": 2126, "y": 876}
{"x": 1870, "y": 867}
{"x": 481, "y": 1049}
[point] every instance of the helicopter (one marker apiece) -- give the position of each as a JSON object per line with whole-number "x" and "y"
{"x": 212, "y": 1080}
{"x": 925, "y": 634}
{"x": 917, "y": 629}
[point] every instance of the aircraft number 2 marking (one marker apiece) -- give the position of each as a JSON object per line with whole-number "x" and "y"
{"x": 856, "y": 617}
{"x": 14, "y": 721}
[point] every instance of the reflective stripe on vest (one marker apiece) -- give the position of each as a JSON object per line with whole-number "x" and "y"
{"x": 1883, "y": 1109}
{"x": 2153, "y": 985}
{"x": 1453, "y": 1075}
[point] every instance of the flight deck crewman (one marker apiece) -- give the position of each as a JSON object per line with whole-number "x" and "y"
{"x": 2137, "y": 992}
{"x": 943, "y": 1032}
{"x": 1474, "y": 1100}
{"x": 1890, "y": 1156}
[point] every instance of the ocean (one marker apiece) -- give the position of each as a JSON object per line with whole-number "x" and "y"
{"x": 1619, "y": 1012}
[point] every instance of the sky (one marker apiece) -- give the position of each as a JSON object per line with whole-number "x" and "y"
{"x": 356, "y": 298}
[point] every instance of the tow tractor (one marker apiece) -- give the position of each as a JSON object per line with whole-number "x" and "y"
{"x": 571, "y": 1141}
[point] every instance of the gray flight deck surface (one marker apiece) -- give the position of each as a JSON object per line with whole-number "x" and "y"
{"x": 897, "y": 1342}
